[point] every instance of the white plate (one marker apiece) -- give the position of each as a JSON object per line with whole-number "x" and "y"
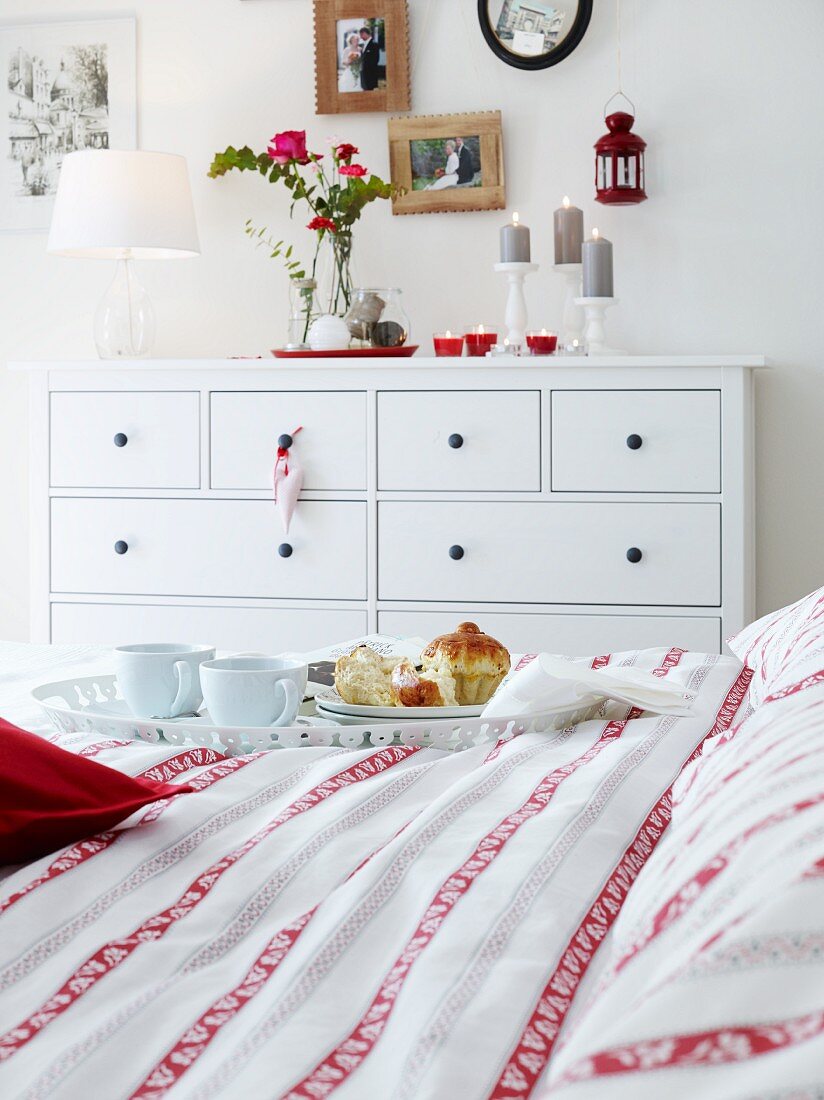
{"x": 331, "y": 701}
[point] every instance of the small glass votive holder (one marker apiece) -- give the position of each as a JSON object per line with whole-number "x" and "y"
{"x": 448, "y": 344}
{"x": 480, "y": 339}
{"x": 575, "y": 347}
{"x": 541, "y": 342}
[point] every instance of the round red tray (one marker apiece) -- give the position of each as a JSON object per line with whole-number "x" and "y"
{"x": 404, "y": 352}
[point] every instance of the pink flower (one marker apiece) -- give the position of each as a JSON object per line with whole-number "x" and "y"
{"x": 289, "y": 146}
{"x": 321, "y": 224}
{"x": 352, "y": 170}
{"x": 345, "y": 151}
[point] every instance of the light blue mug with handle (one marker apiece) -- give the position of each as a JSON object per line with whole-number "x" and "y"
{"x": 161, "y": 680}
{"x": 250, "y": 690}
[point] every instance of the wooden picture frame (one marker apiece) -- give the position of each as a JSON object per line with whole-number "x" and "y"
{"x": 481, "y": 133}
{"x": 339, "y": 86}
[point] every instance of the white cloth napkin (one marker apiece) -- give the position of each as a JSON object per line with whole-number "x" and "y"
{"x": 550, "y": 683}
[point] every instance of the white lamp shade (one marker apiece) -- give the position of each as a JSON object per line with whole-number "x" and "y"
{"x": 113, "y": 204}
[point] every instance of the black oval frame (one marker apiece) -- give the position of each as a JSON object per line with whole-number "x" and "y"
{"x": 570, "y": 43}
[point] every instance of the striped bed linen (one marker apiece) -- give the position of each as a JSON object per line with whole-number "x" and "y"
{"x": 394, "y": 923}
{"x": 714, "y": 985}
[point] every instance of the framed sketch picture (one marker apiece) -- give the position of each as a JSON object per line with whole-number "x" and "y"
{"x": 68, "y": 86}
{"x": 361, "y": 56}
{"x": 447, "y": 162}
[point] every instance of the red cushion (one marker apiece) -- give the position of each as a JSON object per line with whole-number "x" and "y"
{"x": 50, "y": 798}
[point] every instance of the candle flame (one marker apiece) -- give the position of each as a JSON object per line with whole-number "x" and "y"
{"x": 567, "y": 203}
{"x": 543, "y": 332}
{"x": 480, "y": 330}
{"x": 448, "y": 334}
{"x": 516, "y": 217}
{"x": 506, "y": 343}
{"x": 595, "y": 234}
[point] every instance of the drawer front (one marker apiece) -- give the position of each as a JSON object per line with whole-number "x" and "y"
{"x": 636, "y": 441}
{"x": 125, "y": 440}
{"x": 550, "y": 553}
{"x": 498, "y": 436}
{"x": 268, "y": 630}
{"x": 208, "y": 548}
{"x": 245, "y": 428}
{"x": 574, "y": 635}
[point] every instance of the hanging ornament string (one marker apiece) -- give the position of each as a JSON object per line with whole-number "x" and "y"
{"x": 618, "y": 64}
{"x": 422, "y": 40}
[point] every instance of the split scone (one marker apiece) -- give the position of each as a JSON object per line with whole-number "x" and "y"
{"x": 432, "y": 688}
{"x": 476, "y": 662}
{"x": 365, "y": 677}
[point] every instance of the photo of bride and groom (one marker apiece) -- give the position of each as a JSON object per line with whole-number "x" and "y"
{"x": 361, "y": 55}
{"x": 441, "y": 163}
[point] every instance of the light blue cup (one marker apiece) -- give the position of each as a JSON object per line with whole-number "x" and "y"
{"x": 253, "y": 691}
{"x": 163, "y": 680}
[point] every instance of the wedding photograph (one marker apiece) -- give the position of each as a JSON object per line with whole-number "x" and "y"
{"x": 444, "y": 163}
{"x": 361, "y": 55}
{"x": 438, "y": 164}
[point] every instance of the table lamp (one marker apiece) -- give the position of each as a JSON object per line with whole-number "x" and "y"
{"x": 124, "y": 206}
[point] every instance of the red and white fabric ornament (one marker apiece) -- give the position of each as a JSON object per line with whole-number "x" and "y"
{"x": 288, "y": 483}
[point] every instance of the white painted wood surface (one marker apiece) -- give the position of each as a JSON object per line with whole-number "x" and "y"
{"x": 385, "y": 498}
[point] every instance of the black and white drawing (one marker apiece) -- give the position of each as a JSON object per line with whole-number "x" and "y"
{"x": 69, "y": 86}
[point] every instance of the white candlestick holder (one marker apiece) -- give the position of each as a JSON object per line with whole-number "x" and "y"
{"x": 516, "y": 317}
{"x": 595, "y": 311}
{"x": 573, "y": 324}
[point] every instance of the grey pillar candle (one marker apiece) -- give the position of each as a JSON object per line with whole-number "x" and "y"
{"x": 515, "y": 246}
{"x": 569, "y": 233}
{"x": 597, "y": 260}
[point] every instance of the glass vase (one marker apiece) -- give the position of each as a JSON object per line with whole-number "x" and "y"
{"x": 303, "y": 310}
{"x": 377, "y": 318}
{"x": 335, "y": 274}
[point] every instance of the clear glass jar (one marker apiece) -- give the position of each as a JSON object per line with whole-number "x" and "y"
{"x": 303, "y": 310}
{"x": 377, "y": 319}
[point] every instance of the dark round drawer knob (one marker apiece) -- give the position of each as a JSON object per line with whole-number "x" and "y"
{"x": 120, "y": 440}
{"x": 634, "y": 555}
{"x": 455, "y": 441}
{"x": 285, "y": 550}
{"x": 456, "y": 552}
{"x": 285, "y": 441}
{"x": 634, "y": 442}
{"x": 120, "y": 547}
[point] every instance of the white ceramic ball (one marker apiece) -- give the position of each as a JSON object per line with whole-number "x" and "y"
{"x": 329, "y": 333}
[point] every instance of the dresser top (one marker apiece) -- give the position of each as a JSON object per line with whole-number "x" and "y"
{"x": 418, "y": 362}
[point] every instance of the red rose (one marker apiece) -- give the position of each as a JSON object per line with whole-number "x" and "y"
{"x": 352, "y": 170}
{"x": 322, "y": 223}
{"x": 345, "y": 151}
{"x": 290, "y": 145}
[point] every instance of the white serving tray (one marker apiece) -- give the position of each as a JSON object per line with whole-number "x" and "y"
{"x": 92, "y": 704}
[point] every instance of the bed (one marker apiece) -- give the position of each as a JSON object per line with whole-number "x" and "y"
{"x": 398, "y": 922}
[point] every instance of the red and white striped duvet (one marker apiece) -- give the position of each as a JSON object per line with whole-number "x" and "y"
{"x": 393, "y": 923}
{"x": 715, "y": 982}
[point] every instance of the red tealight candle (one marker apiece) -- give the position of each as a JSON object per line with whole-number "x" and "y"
{"x": 479, "y": 340}
{"x": 448, "y": 345}
{"x": 542, "y": 343}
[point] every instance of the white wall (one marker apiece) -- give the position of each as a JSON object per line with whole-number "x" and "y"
{"x": 725, "y": 257}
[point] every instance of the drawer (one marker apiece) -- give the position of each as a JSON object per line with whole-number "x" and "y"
{"x": 133, "y": 440}
{"x": 550, "y": 553}
{"x": 208, "y": 548}
{"x": 574, "y": 635}
{"x": 498, "y": 436}
{"x": 268, "y": 630}
{"x": 676, "y": 446}
{"x": 245, "y": 428}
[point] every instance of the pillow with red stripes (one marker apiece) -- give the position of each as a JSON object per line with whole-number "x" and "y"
{"x": 784, "y": 649}
{"x": 50, "y": 797}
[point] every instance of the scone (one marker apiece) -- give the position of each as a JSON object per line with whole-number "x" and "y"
{"x": 476, "y": 662}
{"x": 364, "y": 677}
{"x": 411, "y": 688}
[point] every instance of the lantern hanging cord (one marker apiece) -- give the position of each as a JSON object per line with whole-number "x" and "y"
{"x": 618, "y": 35}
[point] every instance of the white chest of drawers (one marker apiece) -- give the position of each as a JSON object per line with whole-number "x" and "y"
{"x": 577, "y": 505}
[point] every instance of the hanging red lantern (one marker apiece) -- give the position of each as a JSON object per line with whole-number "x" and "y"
{"x": 619, "y": 162}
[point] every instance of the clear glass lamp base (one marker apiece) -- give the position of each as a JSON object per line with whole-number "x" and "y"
{"x": 124, "y": 322}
